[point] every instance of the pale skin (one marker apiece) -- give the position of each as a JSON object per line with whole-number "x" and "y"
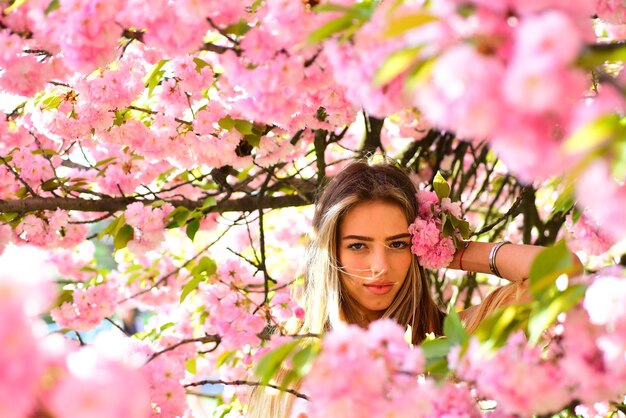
{"x": 374, "y": 251}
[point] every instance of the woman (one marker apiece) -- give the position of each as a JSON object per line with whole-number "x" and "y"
{"x": 360, "y": 266}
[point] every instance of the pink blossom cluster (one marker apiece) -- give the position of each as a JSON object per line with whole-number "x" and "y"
{"x": 50, "y": 230}
{"x": 85, "y": 35}
{"x": 284, "y": 307}
{"x": 51, "y": 375}
{"x": 379, "y": 378}
{"x": 77, "y": 263}
{"x": 585, "y": 235}
{"x": 355, "y": 65}
{"x": 23, "y": 73}
{"x": 148, "y": 224}
{"x": 167, "y": 395}
{"x": 88, "y": 308}
{"x": 432, "y": 248}
{"x": 517, "y": 377}
{"x": 585, "y": 362}
{"x": 613, "y": 14}
{"x": 502, "y": 72}
{"x": 231, "y": 313}
{"x": 112, "y": 88}
{"x": 151, "y": 282}
{"x": 84, "y": 114}
{"x": 505, "y": 73}
{"x": 605, "y": 198}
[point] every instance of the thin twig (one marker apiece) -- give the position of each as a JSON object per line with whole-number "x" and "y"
{"x": 245, "y": 383}
{"x": 204, "y": 340}
{"x": 112, "y": 322}
{"x": 177, "y": 270}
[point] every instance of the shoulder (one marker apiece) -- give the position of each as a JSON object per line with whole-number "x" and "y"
{"x": 468, "y": 313}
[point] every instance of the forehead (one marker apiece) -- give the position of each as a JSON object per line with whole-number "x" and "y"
{"x": 374, "y": 219}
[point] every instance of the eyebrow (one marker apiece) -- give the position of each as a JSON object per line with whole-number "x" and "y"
{"x": 362, "y": 238}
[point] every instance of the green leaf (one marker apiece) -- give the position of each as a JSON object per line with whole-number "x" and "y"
{"x": 46, "y": 152}
{"x": 454, "y": 329}
{"x": 205, "y": 265}
{"x": 226, "y": 123}
{"x": 435, "y": 351}
{"x": 544, "y": 314}
{"x": 225, "y": 358}
{"x": 190, "y": 286}
{"x": 437, "y": 367}
{"x": 192, "y": 228}
{"x": 113, "y": 227}
{"x": 209, "y": 202}
{"x": 200, "y": 64}
{"x": 398, "y": 25}
{"x": 565, "y": 200}
{"x": 14, "y": 6}
{"x": 153, "y": 78}
{"x": 125, "y": 234}
{"x": 243, "y": 126}
{"x": 66, "y": 295}
{"x": 594, "y": 134}
{"x": 396, "y": 64}
{"x": 330, "y": 28}
{"x": 49, "y": 100}
{"x": 303, "y": 360}
{"x": 21, "y": 193}
{"x": 549, "y": 264}
{"x": 447, "y": 227}
{"x": 441, "y": 186}
{"x": 190, "y": 365}
{"x": 461, "y": 224}
{"x": 436, "y": 348}
{"x": 331, "y": 7}
{"x": 239, "y": 28}
{"x": 253, "y": 140}
{"x": 302, "y": 363}
{"x": 52, "y": 6}
{"x": 166, "y": 326}
{"x": 50, "y": 185}
{"x": 8, "y": 217}
{"x": 270, "y": 363}
{"x": 178, "y": 217}
{"x": 361, "y": 11}
{"x": 494, "y": 330}
{"x": 119, "y": 118}
{"x": 421, "y": 73}
{"x": 596, "y": 55}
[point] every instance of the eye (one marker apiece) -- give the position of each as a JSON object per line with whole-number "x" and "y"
{"x": 398, "y": 245}
{"x": 356, "y": 246}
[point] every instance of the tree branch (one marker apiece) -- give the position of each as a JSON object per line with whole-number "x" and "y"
{"x": 114, "y": 204}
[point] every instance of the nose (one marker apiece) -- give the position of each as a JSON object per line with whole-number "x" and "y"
{"x": 379, "y": 263}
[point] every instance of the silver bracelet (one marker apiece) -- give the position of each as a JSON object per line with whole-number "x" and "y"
{"x": 492, "y": 257}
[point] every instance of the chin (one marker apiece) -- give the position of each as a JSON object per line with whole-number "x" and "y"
{"x": 377, "y": 307}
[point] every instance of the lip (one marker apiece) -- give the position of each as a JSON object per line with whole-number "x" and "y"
{"x": 380, "y": 288}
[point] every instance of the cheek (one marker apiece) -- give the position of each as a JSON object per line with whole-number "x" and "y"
{"x": 402, "y": 262}
{"x": 348, "y": 260}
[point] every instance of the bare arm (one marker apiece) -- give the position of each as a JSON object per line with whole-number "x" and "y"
{"x": 512, "y": 260}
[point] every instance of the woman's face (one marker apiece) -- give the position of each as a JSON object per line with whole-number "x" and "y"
{"x": 375, "y": 254}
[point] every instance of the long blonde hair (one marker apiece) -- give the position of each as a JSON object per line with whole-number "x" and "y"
{"x": 325, "y": 302}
